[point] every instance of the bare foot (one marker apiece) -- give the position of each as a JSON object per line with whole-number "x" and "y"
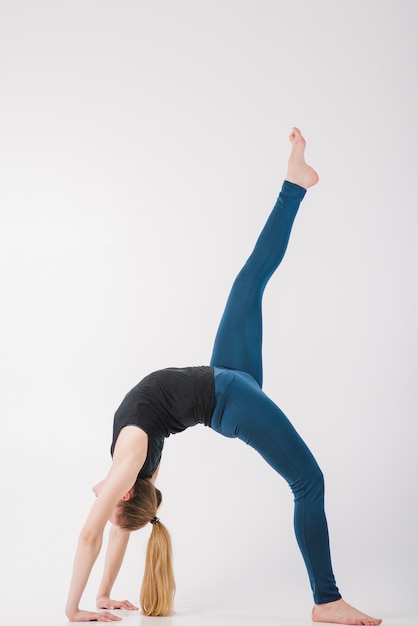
{"x": 339, "y": 612}
{"x": 298, "y": 171}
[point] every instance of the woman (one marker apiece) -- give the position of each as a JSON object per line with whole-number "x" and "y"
{"x": 226, "y": 396}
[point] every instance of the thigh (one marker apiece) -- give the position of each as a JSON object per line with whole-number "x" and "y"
{"x": 250, "y": 415}
{"x": 238, "y": 342}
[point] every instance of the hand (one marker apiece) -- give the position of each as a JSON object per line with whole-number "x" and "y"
{"x": 107, "y": 603}
{"x": 91, "y": 616}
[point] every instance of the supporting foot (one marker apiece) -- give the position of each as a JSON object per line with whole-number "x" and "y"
{"x": 339, "y": 612}
{"x": 298, "y": 171}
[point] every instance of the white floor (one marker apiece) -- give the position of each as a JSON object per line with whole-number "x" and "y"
{"x": 196, "y": 619}
{"x": 250, "y": 613}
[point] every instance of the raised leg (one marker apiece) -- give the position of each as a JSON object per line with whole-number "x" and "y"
{"x": 239, "y": 338}
{"x": 238, "y": 343}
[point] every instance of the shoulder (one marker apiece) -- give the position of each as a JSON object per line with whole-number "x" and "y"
{"x": 132, "y": 442}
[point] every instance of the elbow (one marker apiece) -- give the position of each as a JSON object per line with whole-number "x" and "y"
{"x": 90, "y": 539}
{"x": 117, "y": 531}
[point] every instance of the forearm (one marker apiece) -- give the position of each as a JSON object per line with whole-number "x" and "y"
{"x": 85, "y": 557}
{"x": 118, "y": 541}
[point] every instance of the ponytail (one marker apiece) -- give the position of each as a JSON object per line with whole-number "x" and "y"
{"x": 158, "y": 585}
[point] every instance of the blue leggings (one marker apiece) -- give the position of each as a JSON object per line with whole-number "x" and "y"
{"x": 243, "y": 410}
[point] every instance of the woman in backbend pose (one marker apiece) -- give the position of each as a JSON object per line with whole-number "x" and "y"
{"x": 226, "y": 396}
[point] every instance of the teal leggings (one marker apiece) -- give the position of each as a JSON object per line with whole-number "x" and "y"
{"x": 243, "y": 410}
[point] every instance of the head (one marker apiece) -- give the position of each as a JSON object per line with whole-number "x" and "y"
{"x": 140, "y": 507}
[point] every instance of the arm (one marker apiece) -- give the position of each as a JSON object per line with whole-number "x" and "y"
{"x": 118, "y": 541}
{"x": 129, "y": 456}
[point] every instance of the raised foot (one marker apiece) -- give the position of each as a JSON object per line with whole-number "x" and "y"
{"x": 339, "y": 612}
{"x": 298, "y": 171}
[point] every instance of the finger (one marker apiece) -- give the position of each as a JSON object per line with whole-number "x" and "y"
{"x": 128, "y": 605}
{"x": 108, "y": 617}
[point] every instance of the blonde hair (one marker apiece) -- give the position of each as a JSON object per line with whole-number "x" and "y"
{"x": 158, "y": 584}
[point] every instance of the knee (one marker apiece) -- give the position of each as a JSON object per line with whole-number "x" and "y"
{"x": 310, "y": 484}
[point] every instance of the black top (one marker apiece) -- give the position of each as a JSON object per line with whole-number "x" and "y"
{"x": 163, "y": 403}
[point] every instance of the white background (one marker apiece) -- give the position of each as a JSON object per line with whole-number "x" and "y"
{"x": 142, "y": 145}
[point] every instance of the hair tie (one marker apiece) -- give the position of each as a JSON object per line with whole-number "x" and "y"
{"x": 154, "y": 520}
